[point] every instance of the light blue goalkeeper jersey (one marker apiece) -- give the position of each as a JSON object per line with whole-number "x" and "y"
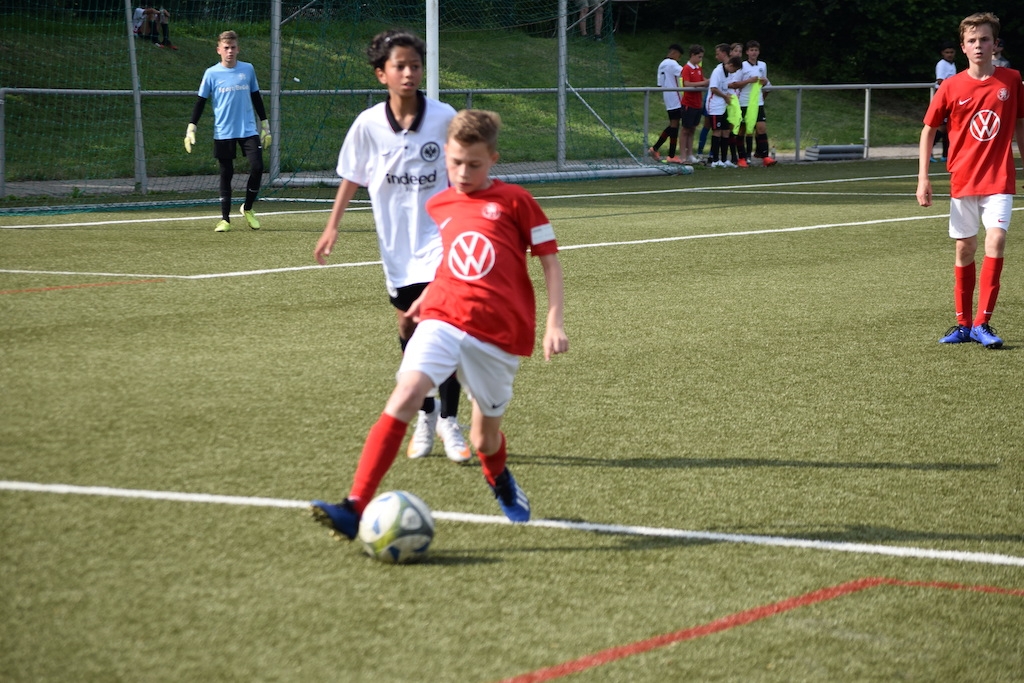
{"x": 230, "y": 90}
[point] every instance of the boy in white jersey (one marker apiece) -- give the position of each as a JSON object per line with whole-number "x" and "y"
{"x": 237, "y": 101}
{"x": 477, "y": 318}
{"x": 753, "y": 142}
{"x": 944, "y": 68}
{"x": 984, "y": 107}
{"x": 669, "y": 72}
{"x": 719, "y": 96}
{"x": 395, "y": 150}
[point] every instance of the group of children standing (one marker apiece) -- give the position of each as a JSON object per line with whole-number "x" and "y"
{"x": 735, "y": 85}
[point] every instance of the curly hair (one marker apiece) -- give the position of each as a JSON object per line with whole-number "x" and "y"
{"x": 383, "y": 43}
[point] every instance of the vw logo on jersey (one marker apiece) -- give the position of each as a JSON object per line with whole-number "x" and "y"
{"x": 984, "y": 125}
{"x": 430, "y": 151}
{"x": 471, "y": 256}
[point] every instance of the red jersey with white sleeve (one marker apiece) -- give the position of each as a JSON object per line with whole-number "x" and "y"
{"x": 982, "y": 116}
{"x": 692, "y": 73}
{"x": 483, "y": 286}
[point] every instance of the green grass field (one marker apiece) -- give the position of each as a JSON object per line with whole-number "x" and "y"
{"x": 825, "y": 492}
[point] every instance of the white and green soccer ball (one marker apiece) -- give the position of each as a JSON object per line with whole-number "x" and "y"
{"x": 396, "y": 527}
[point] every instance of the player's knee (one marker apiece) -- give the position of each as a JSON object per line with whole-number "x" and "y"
{"x": 485, "y": 441}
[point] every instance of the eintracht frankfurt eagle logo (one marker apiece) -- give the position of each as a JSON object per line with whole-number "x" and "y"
{"x": 471, "y": 256}
{"x": 985, "y": 125}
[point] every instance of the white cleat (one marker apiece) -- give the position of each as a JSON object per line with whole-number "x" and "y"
{"x": 455, "y": 447}
{"x": 422, "y": 441}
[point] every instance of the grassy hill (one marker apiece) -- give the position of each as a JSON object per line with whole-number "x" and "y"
{"x": 52, "y": 137}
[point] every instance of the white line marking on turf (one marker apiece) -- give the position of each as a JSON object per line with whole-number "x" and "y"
{"x": 207, "y": 276}
{"x": 122, "y": 221}
{"x": 616, "y": 529}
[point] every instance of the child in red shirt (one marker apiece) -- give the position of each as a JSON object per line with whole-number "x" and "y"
{"x": 477, "y": 317}
{"x": 984, "y": 106}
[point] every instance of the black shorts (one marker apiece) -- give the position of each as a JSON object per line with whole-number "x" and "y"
{"x": 227, "y": 149}
{"x": 674, "y": 114}
{"x": 718, "y": 122}
{"x": 691, "y": 117}
{"x": 406, "y": 295}
{"x": 760, "y": 114}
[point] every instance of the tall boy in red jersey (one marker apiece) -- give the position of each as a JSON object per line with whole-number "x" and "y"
{"x": 477, "y": 317}
{"x": 985, "y": 109}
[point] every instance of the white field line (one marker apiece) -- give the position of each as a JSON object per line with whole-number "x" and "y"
{"x": 178, "y": 219}
{"x": 681, "y": 534}
{"x": 745, "y": 187}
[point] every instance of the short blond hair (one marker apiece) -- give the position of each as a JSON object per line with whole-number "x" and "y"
{"x": 471, "y": 126}
{"x": 977, "y": 20}
{"x": 227, "y": 35}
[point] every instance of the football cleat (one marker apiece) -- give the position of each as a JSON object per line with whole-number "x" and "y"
{"x": 223, "y": 226}
{"x": 986, "y": 336}
{"x": 250, "y": 218}
{"x": 692, "y": 160}
{"x": 342, "y": 519}
{"x": 717, "y": 164}
{"x": 768, "y": 161}
{"x": 958, "y": 334}
{"x": 729, "y": 164}
{"x": 511, "y": 499}
{"x": 455, "y": 447}
{"x": 674, "y": 160}
{"x": 742, "y": 163}
{"x": 422, "y": 441}
{"x": 654, "y": 154}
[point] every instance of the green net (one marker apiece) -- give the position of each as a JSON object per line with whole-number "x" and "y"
{"x": 72, "y": 128}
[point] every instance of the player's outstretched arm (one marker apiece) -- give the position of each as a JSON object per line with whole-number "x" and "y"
{"x": 924, "y": 184}
{"x": 555, "y": 340}
{"x": 325, "y": 244}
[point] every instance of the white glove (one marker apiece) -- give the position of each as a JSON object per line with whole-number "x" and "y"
{"x": 265, "y": 133}
{"x": 190, "y": 137}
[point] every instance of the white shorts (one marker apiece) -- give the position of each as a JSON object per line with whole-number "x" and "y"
{"x": 486, "y": 372}
{"x": 966, "y": 213}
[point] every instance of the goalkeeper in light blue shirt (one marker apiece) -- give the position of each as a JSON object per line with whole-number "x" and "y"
{"x": 237, "y": 102}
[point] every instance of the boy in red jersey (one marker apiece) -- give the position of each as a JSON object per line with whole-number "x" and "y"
{"x": 477, "y": 317}
{"x": 984, "y": 106}
{"x": 693, "y": 102}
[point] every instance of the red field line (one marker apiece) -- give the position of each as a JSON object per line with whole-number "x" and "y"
{"x": 739, "y": 619}
{"x": 81, "y": 286}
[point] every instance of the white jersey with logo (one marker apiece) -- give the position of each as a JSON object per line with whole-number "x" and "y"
{"x": 402, "y": 169}
{"x": 759, "y": 70}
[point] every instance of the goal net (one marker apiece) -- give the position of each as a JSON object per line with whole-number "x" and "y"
{"x": 96, "y": 112}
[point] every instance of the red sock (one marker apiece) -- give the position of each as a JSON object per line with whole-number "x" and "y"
{"x": 963, "y": 293}
{"x": 991, "y": 268}
{"x": 494, "y": 464}
{"x": 379, "y": 452}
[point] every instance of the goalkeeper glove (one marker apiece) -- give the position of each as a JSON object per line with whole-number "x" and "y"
{"x": 265, "y": 133}
{"x": 190, "y": 137}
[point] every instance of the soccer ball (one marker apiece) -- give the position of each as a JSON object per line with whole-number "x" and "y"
{"x": 396, "y": 527}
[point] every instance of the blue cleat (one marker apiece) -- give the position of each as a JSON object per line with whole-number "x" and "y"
{"x": 511, "y": 499}
{"x": 958, "y": 334}
{"x": 986, "y": 336}
{"x": 341, "y": 519}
